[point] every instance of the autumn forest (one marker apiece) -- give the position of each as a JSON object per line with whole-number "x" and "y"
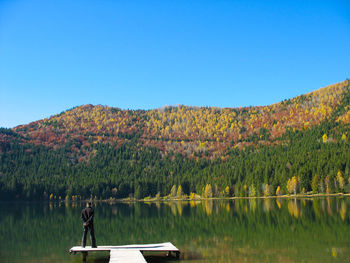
{"x": 299, "y": 145}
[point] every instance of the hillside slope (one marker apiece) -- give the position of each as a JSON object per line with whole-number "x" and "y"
{"x": 200, "y": 131}
{"x": 297, "y": 145}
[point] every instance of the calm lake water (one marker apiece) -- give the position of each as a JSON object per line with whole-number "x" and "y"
{"x": 255, "y": 230}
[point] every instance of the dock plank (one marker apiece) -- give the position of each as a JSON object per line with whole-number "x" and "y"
{"x": 126, "y": 255}
{"x": 142, "y": 247}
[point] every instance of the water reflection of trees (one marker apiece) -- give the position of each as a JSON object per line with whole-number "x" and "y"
{"x": 253, "y": 222}
{"x": 295, "y": 207}
{"x": 268, "y": 205}
{"x": 208, "y": 206}
{"x": 342, "y": 210}
{"x": 320, "y": 206}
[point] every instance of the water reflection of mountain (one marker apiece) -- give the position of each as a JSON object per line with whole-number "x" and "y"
{"x": 254, "y": 230}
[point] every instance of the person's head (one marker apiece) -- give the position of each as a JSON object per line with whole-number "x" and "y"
{"x": 88, "y": 204}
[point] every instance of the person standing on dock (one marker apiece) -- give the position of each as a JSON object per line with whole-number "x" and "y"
{"x": 87, "y": 215}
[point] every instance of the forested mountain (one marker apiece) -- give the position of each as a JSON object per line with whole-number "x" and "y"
{"x": 300, "y": 144}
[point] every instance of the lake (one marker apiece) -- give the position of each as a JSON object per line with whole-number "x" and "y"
{"x": 244, "y": 230}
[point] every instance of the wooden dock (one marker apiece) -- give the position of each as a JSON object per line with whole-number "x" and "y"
{"x": 131, "y": 256}
{"x": 129, "y": 253}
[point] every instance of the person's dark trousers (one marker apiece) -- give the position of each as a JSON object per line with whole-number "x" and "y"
{"x": 92, "y": 235}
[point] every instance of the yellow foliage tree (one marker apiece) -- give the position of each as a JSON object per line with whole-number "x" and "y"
{"x": 341, "y": 181}
{"x": 267, "y": 191}
{"x": 289, "y": 186}
{"x": 292, "y": 185}
{"x": 329, "y": 184}
{"x": 324, "y": 138}
{"x": 179, "y": 191}
{"x": 227, "y": 191}
{"x": 278, "y": 191}
{"x": 343, "y": 137}
{"x": 208, "y": 192}
{"x": 252, "y": 191}
{"x": 173, "y": 191}
{"x": 192, "y": 195}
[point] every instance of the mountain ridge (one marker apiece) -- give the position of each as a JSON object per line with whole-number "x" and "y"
{"x": 297, "y": 145}
{"x": 200, "y": 131}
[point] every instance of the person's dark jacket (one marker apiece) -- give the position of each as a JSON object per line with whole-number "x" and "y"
{"x": 88, "y": 216}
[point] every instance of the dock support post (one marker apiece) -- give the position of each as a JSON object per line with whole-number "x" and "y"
{"x": 177, "y": 254}
{"x": 84, "y": 255}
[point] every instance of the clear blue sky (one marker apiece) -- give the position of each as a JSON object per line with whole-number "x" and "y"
{"x": 146, "y": 54}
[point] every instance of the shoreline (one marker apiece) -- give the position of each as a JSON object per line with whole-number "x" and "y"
{"x": 185, "y": 199}
{"x": 162, "y": 199}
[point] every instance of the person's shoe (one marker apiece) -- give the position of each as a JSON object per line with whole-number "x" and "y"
{"x": 94, "y": 246}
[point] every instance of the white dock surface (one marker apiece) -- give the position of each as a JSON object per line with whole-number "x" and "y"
{"x": 129, "y": 253}
{"x": 148, "y": 247}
